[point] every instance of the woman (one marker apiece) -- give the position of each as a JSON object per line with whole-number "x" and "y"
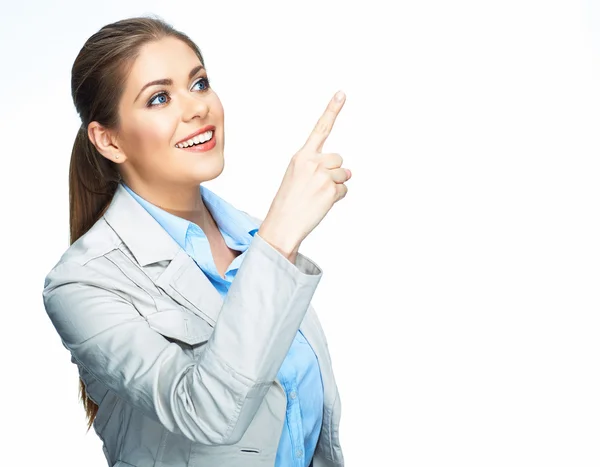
{"x": 179, "y": 364}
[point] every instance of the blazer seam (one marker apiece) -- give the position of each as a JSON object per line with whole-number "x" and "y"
{"x": 134, "y": 263}
{"x": 131, "y": 279}
{"x": 111, "y": 247}
{"x": 158, "y": 462}
{"x": 330, "y": 431}
{"x": 248, "y": 382}
{"x": 100, "y": 255}
{"x": 231, "y": 423}
{"x": 112, "y": 410}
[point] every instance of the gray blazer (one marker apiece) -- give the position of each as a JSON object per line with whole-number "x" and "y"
{"x": 181, "y": 376}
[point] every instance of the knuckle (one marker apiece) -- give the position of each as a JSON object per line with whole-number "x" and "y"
{"x": 332, "y": 161}
{"x": 311, "y": 165}
{"x": 331, "y": 191}
{"x": 323, "y": 182}
{"x": 322, "y": 126}
{"x": 341, "y": 174}
{"x": 301, "y": 157}
{"x": 296, "y": 161}
{"x": 322, "y": 177}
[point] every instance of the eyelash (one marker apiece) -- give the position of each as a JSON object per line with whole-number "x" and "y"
{"x": 148, "y": 104}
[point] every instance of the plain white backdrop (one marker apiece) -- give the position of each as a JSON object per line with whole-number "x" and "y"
{"x": 460, "y": 294}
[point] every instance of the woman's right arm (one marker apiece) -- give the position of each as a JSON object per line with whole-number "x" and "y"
{"x": 211, "y": 399}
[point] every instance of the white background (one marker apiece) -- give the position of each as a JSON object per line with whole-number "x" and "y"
{"x": 460, "y": 294}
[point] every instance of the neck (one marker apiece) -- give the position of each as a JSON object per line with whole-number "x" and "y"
{"x": 180, "y": 200}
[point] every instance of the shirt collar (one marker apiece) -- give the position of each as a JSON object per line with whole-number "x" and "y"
{"x": 236, "y": 223}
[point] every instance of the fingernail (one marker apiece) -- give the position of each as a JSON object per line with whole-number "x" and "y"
{"x": 339, "y": 96}
{"x": 348, "y": 172}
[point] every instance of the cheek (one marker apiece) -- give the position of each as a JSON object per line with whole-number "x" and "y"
{"x": 216, "y": 108}
{"x": 152, "y": 136}
{"x": 219, "y": 120}
{"x": 157, "y": 133}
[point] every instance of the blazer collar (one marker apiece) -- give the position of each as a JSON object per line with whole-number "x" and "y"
{"x": 145, "y": 238}
{"x": 161, "y": 257}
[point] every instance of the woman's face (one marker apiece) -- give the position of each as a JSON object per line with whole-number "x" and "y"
{"x": 154, "y": 118}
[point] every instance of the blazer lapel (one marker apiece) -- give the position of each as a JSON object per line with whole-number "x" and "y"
{"x": 187, "y": 284}
{"x": 163, "y": 260}
{"x": 176, "y": 273}
{"x": 179, "y": 276}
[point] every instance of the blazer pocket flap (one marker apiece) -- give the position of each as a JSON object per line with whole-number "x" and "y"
{"x": 184, "y": 327}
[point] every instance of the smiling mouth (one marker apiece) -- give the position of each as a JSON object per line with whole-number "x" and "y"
{"x": 197, "y": 140}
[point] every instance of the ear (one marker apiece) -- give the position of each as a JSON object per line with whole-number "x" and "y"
{"x": 105, "y": 142}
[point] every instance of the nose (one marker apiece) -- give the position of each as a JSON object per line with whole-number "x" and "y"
{"x": 195, "y": 106}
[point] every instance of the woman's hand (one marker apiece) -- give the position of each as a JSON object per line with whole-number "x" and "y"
{"x": 312, "y": 183}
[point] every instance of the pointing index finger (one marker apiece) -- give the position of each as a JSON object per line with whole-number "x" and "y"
{"x": 324, "y": 125}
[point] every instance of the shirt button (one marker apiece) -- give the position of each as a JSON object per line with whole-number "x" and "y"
{"x": 299, "y": 453}
{"x": 293, "y": 394}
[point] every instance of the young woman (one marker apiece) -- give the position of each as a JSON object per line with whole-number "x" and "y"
{"x": 179, "y": 363}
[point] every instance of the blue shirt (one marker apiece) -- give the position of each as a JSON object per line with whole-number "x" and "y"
{"x": 299, "y": 374}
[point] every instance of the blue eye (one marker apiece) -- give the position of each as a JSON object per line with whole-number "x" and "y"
{"x": 205, "y": 83}
{"x": 162, "y": 96}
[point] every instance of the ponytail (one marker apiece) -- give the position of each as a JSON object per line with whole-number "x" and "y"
{"x": 93, "y": 181}
{"x": 98, "y": 79}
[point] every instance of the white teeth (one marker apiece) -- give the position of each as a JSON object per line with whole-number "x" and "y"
{"x": 201, "y": 138}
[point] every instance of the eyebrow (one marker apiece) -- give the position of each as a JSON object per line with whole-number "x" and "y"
{"x": 167, "y": 81}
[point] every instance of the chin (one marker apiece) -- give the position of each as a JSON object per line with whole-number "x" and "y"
{"x": 209, "y": 169}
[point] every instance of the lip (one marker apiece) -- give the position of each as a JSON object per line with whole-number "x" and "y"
{"x": 196, "y": 133}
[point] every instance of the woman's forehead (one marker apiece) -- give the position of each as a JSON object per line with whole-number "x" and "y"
{"x": 166, "y": 58}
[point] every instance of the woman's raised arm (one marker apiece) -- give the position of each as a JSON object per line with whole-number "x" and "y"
{"x": 211, "y": 399}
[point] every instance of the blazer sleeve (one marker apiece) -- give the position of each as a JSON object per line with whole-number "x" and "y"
{"x": 210, "y": 399}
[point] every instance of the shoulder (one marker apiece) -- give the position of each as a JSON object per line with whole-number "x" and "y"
{"x": 99, "y": 240}
{"x": 79, "y": 263}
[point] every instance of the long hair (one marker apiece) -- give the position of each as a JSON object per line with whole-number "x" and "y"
{"x": 97, "y": 82}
